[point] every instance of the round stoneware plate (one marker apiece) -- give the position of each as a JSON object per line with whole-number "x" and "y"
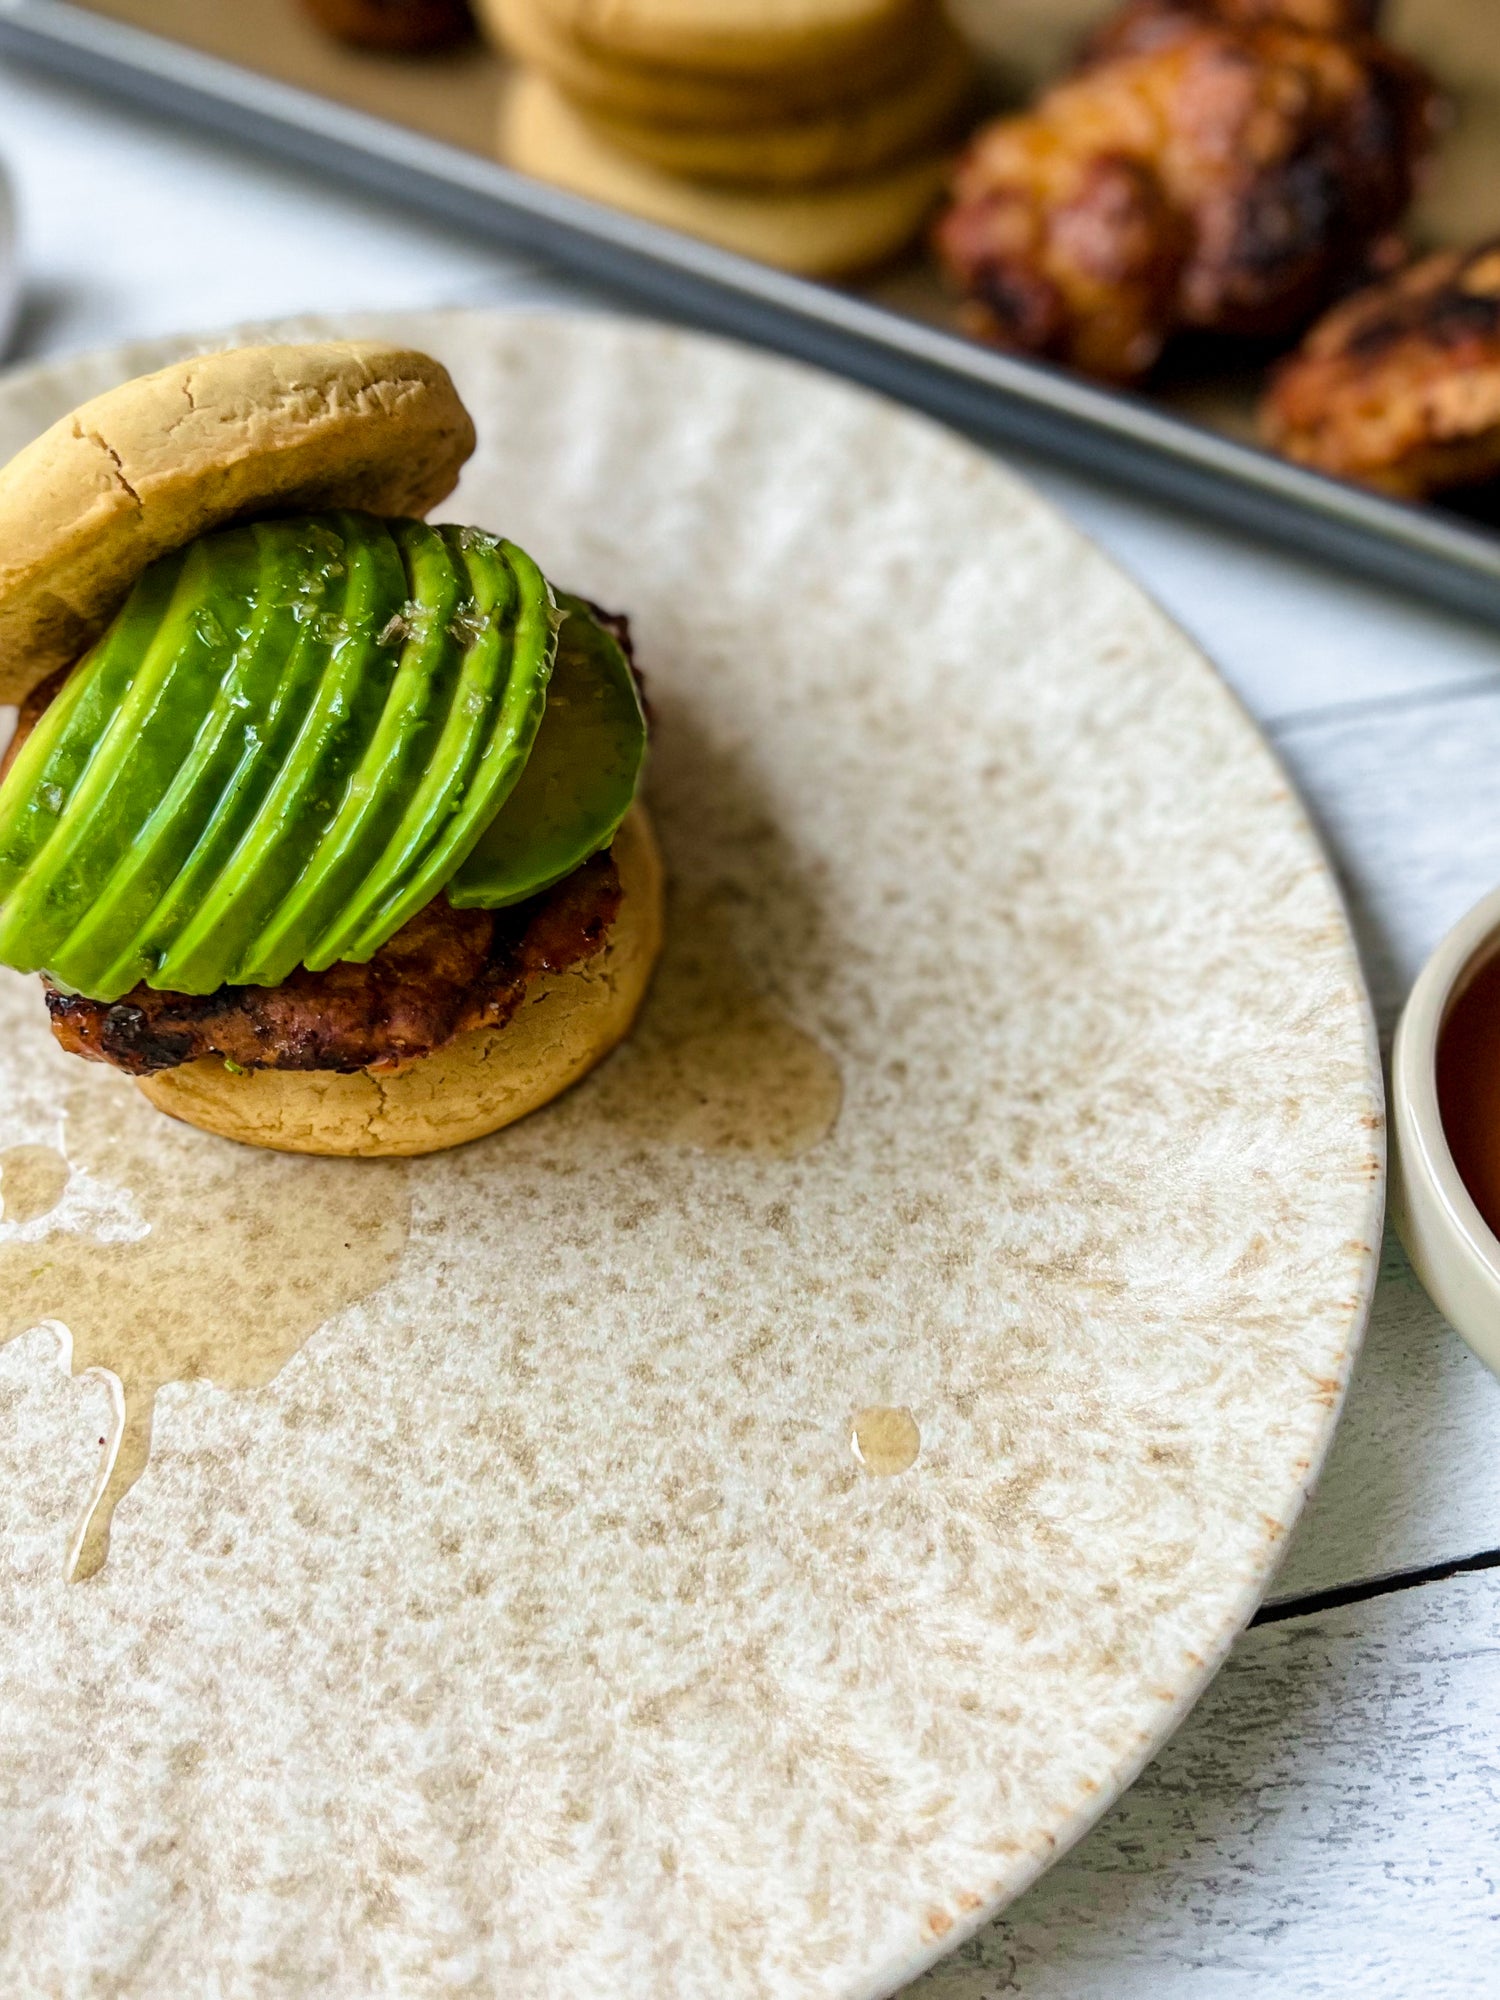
{"x": 724, "y": 1536}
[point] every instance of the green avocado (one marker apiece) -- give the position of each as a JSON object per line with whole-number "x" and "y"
{"x": 190, "y": 833}
{"x": 579, "y": 779}
{"x": 333, "y": 855}
{"x": 159, "y": 664}
{"x": 43, "y": 781}
{"x": 509, "y": 631}
{"x": 300, "y": 617}
{"x": 295, "y": 733}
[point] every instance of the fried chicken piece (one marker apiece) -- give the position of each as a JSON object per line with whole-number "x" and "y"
{"x": 1144, "y": 25}
{"x": 1217, "y": 171}
{"x": 395, "y": 27}
{"x": 1399, "y": 387}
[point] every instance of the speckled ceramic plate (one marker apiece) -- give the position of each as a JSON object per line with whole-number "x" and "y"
{"x": 723, "y": 1537}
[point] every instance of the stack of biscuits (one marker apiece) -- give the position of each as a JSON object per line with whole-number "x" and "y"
{"x": 807, "y": 133}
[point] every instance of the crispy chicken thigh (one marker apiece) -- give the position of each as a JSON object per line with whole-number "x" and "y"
{"x": 444, "y": 972}
{"x": 1212, "y": 165}
{"x": 1142, "y": 25}
{"x": 1399, "y": 387}
{"x": 397, "y": 27}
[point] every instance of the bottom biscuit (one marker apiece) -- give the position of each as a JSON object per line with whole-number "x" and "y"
{"x": 482, "y": 1080}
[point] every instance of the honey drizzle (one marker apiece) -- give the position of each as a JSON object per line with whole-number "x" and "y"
{"x": 32, "y": 1179}
{"x": 885, "y": 1441}
{"x": 715, "y": 1065}
{"x": 171, "y": 1257}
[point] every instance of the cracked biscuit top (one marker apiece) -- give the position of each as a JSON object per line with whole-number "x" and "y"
{"x": 148, "y": 466}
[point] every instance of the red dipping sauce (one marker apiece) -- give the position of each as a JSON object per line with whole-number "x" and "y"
{"x": 1468, "y": 1088}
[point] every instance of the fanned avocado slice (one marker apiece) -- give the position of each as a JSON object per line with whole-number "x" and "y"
{"x": 311, "y": 603}
{"x": 114, "y": 946}
{"x": 579, "y": 779}
{"x": 217, "y": 946}
{"x": 55, "y": 757}
{"x": 395, "y": 755}
{"x": 142, "y": 746}
{"x": 511, "y": 627}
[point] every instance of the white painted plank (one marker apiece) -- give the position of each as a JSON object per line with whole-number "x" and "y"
{"x": 1405, "y": 793}
{"x": 1326, "y": 1825}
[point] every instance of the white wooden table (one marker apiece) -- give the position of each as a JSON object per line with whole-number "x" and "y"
{"x": 1328, "y": 1822}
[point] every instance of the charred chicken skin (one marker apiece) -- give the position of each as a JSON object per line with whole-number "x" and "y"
{"x": 1227, "y": 167}
{"x": 395, "y": 27}
{"x": 1399, "y": 387}
{"x": 1143, "y": 25}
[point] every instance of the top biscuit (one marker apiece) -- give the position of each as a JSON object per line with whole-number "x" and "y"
{"x": 727, "y": 37}
{"x": 146, "y": 467}
{"x": 650, "y": 93}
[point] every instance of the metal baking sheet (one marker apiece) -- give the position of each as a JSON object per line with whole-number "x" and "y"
{"x": 388, "y": 142}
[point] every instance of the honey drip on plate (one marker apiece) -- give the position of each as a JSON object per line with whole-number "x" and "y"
{"x": 714, "y": 1064}
{"x": 885, "y": 1441}
{"x": 32, "y": 1179}
{"x": 172, "y": 1257}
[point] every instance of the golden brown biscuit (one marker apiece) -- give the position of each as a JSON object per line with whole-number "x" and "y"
{"x": 817, "y": 232}
{"x": 567, "y": 1023}
{"x": 858, "y": 137}
{"x": 726, "y": 37}
{"x": 1399, "y": 387}
{"x": 145, "y": 467}
{"x": 652, "y": 94}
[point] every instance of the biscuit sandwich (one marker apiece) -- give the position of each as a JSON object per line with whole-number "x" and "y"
{"x": 318, "y": 820}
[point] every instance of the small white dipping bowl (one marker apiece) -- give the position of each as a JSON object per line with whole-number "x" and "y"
{"x": 1452, "y": 1248}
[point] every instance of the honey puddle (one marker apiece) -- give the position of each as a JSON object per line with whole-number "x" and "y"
{"x": 885, "y": 1441}
{"x": 714, "y": 1064}
{"x": 32, "y": 1179}
{"x": 172, "y": 1257}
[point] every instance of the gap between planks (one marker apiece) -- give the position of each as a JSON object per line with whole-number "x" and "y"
{"x": 1341, "y": 1594}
